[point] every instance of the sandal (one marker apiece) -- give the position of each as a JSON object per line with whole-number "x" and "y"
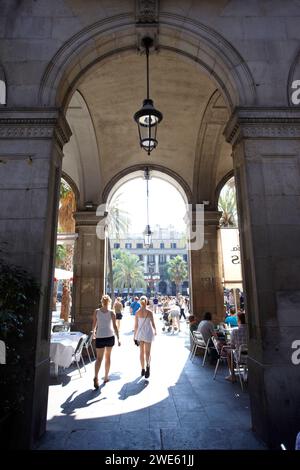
{"x": 105, "y": 381}
{"x": 96, "y": 383}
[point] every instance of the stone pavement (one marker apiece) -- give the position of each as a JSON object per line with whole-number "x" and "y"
{"x": 180, "y": 406}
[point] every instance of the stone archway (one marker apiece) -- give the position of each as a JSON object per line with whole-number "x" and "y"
{"x": 72, "y": 64}
{"x": 117, "y": 35}
{"x": 265, "y": 145}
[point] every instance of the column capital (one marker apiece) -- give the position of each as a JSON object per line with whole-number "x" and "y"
{"x": 263, "y": 123}
{"x": 34, "y": 123}
{"x": 211, "y": 217}
{"x": 87, "y": 218}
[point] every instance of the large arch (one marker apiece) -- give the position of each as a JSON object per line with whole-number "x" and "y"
{"x": 117, "y": 35}
{"x": 138, "y": 171}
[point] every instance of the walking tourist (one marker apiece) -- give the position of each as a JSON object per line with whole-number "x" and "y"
{"x": 144, "y": 332}
{"x": 104, "y": 326}
{"x": 118, "y": 307}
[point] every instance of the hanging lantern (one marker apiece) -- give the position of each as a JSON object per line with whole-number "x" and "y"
{"x": 147, "y": 118}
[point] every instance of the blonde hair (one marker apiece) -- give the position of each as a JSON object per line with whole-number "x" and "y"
{"x": 143, "y": 301}
{"x": 105, "y": 300}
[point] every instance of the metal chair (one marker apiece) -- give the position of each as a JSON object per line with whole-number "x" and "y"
{"x": 221, "y": 352}
{"x": 77, "y": 356}
{"x": 199, "y": 343}
{"x": 240, "y": 363}
{"x": 89, "y": 344}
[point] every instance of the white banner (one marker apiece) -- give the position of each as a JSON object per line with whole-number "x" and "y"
{"x": 231, "y": 256}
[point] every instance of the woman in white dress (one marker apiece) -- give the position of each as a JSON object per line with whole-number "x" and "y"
{"x": 144, "y": 332}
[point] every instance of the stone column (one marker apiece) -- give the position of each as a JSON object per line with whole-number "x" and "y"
{"x": 89, "y": 269}
{"x": 266, "y": 155}
{"x": 206, "y": 272}
{"x": 31, "y": 142}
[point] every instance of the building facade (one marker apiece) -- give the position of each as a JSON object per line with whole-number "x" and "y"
{"x": 167, "y": 243}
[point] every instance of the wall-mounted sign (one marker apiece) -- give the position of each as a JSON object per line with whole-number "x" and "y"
{"x": 231, "y": 255}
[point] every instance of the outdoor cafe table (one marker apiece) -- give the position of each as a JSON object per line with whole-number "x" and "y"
{"x": 62, "y": 347}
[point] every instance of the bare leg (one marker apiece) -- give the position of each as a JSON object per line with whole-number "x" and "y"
{"x": 147, "y": 351}
{"x": 100, "y": 352}
{"x": 107, "y": 362}
{"x": 118, "y": 322}
{"x": 142, "y": 354}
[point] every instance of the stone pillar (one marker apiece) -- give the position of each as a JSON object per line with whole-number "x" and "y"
{"x": 89, "y": 270}
{"x": 145, "y": 263}
{"x": 206, "y": 272}
{"x": 266, "y": 155}
{"x": 156, "y": 263}
{"x": 31, "y": 142}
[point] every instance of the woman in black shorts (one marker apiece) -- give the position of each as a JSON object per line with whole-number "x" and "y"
{"x": 118, "y": 307}
{"x": 104, "y": 326}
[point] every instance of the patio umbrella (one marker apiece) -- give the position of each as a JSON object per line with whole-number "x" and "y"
{"x": 62, "y": 274}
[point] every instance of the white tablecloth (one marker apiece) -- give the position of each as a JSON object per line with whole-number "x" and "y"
{"x": 62, "y": 347}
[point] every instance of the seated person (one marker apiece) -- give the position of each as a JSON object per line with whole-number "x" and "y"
{"x": 206, "y": 327}
{"x": 193, "y": 323}
{"x": 231, "y": 320}
{"x": 238, "y": 337}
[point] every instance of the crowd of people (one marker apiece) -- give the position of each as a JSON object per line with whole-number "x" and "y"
{"x": 107, "y": 322}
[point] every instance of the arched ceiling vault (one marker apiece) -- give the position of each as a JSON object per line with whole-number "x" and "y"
{"x": 105, "y": 142}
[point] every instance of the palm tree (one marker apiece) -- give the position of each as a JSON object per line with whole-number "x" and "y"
{"x": 227, "y": 204}
{"x": 118, "y": 223}
{"x": 128, "y": 271}
{"x": 177, "y": 270}
{"x": 66, "y": 224}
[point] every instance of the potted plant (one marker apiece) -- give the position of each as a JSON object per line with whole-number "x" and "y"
{"x": 19, "y": 294}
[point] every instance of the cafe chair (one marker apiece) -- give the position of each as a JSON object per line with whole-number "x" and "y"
{"x": 199, "y": 343}
{"x": 240, "y": 363}
{"x": 221, "y": 354}
{"x": 77, "y": 356}
{"x": 88, "y": 344}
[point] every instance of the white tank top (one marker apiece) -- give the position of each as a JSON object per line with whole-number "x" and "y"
{"x": 104, "y": 324}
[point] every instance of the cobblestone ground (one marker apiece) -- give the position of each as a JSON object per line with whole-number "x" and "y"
{"x": 180, "y": 406}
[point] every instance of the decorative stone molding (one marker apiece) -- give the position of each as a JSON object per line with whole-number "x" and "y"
{"x": 146, "y": 18}
{"x": 212, "y": 217}
{"x": 87, "y": 218}
{"x": 13, "y": 126}
{"x": 263, "y": 123}
{"x": 146, "y": 11}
